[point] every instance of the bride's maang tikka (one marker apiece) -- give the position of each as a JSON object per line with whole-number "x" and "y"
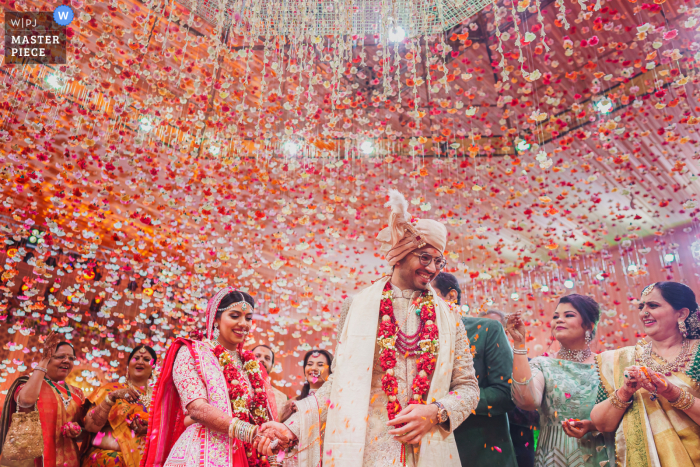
{"x": 648, "y": 289}
{"x": 243, "y": 308}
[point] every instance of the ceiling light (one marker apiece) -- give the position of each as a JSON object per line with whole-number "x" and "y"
{"x": 367, "y": 147}
{"x": 544, "y": 288}
{"x": 522, "y": 146}
{"x": 214, "y": 150}
{"x": 397, "y": 34}
{"x": 145, "y": 125}
{"x": 54, "y": 82}
{"x": 514, "y": 295}
{"x": 632, "y": 267}
{"x": 604, "y": 105}
{"x": 669, "y": 257}
{"x": 569, "y": 284}
{"x": 291, "y": 147}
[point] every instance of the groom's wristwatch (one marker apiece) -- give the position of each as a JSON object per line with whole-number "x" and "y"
{"x": 442, "y": 414}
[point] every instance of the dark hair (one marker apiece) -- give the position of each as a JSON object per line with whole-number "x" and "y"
{"x": 445, "y": 282}
{"x": 62, "y": 343}
{"x": 139, "y": 347}
{"x": 268, "y": 348}
{"x": 231, "y": 298}
{"x": 680, "y": 296}
{"x": 329, "y": 358}
{"x": 586, "y": 307}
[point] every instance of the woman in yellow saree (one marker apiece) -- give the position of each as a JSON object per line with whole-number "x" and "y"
{"x": 118, "y": 415}
{"x": 647, "y": 391}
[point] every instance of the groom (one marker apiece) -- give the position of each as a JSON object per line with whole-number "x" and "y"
{"x": 403, "y": 377}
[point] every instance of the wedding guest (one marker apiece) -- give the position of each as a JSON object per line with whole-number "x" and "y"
{"x": 648, "y": 391}
{"x": 522, "y": 423}
{"x": 563, "y": 387}
{"x": 484, "y": 438}
{"x": 266, "y": 357}
{"x": 59, "y": 405}
{"x": 317, "y": 369}
{"x": 117, "y": 415}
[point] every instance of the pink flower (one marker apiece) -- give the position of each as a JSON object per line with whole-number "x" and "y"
{"x": 567, "y": 395}
{"x": 593, "y": 41}
{"x": 668, "y": 35}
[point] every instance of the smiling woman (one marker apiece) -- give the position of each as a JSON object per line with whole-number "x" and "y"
{"x": 118, "y": 413}
{"x": 647, "y": 392}
{"x": 59, "y": 405}
{"x": 562, "y": 388}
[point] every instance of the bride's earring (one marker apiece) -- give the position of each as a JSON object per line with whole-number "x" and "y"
{"x": 215, "y": 334}
{"x": 588, "y": 337}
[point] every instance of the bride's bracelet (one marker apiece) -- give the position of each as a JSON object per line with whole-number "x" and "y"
{"x": 520, "y": 351}
{"x": 241, "y": 430}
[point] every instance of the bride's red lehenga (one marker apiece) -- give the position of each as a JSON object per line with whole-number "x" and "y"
{"x": 232, "y": 382}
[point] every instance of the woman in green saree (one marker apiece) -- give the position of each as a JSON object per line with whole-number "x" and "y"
{"x": 647, "y": 391}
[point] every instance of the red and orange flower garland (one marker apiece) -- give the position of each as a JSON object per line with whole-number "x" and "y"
{"x": 427, "y": 349}
{"x": 244, "y": 407}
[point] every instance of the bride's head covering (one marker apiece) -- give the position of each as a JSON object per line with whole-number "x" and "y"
{"x": 212, "y": 306}
{"x": 406, "y": 233}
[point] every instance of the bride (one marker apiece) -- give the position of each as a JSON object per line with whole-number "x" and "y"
{"x": 212, "y": 395}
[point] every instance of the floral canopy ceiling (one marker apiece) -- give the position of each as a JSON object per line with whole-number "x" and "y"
{"x": 181, "y": 150}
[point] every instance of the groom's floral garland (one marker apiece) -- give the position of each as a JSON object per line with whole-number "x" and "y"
{"x": 426, "y": 349}
{"x": 245, "y": 408}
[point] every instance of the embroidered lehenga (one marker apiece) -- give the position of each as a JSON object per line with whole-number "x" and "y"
{"x": 197, "y": 370}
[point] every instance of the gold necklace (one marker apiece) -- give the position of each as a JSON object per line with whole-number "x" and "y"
{"x": 144, "y": 398}
{"x": 667, "y": 368}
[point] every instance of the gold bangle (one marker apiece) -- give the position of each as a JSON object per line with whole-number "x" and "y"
{"x": 618, "y": 403}
{"x": 684, "y": 401}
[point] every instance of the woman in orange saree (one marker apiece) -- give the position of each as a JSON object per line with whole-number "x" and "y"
{"x": 59, "y": 405}
{"x": 118, "y": 413}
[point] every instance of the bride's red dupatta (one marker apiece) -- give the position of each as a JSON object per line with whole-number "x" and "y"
{"x": 167, "y": 418}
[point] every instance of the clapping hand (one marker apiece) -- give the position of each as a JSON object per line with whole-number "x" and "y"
{"x": 130, "y": 395}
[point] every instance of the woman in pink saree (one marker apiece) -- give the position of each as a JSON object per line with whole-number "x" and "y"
{"x": 212, "y": 395}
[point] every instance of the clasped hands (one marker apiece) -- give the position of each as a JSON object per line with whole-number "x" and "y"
{"x": 638, "y": 377}
{"x": 268, "y": 433}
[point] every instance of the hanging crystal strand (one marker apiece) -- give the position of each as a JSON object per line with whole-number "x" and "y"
{"x": 263, "y": 83}
{"x": 397, "y": 64}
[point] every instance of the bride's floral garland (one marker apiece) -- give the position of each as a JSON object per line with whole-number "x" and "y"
{"x": 426, "y": 349}
{"x": 244, "y": 407}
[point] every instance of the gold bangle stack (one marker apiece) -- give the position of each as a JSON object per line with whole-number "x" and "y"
{"x": 684, "y": 401}
{"x": 618, "y": 403}
{"x": 241, "y": 430}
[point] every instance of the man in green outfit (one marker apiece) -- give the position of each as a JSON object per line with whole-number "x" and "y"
{"x": 483, "y": 439}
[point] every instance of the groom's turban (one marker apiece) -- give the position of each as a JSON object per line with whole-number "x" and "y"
{"x": 406, "y": 234}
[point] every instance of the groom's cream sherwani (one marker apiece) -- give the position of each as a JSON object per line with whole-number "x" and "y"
{"x": 352, "y": 403}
